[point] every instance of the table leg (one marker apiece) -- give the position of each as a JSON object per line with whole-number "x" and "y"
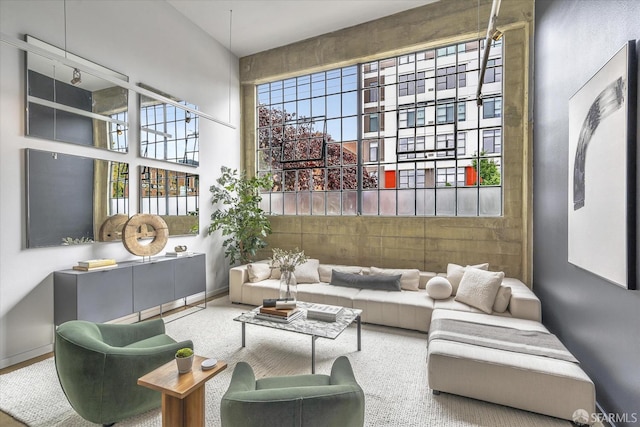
{"x": 187, "y": 412}
{"x": 359, "y": 333}
{"x": 313, "y": 353}
{"x": 243, "y": 327}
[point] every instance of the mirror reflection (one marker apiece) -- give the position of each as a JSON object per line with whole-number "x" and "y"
{"x": 173, "y": 195}
{"x": 71, "y": 105}
{"x": 168, "y": 132}
{"x": 74, "y": 200}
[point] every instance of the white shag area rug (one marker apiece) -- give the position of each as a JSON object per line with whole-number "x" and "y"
{"x": 390, "y": 368}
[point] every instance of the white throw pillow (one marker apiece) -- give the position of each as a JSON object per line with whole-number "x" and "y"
{"x": 307, "y": 272}
{"x": 258, "y": 272}
{"x": 478, "y": 288}
{"x": 324, "y": 270}
{"x": 502, "y": 299}
{"x": 455, "y": 272}
{"x": 439, "y": 288}
{"x": 410, "y": 280}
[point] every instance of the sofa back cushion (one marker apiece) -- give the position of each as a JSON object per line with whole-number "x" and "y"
{"x": 307, "y": 272}
{"x": 380, "y": 282}
{"x": 410, "y": 278}
{"x": 455, "y": 272}
{"x": 324, "y": 270}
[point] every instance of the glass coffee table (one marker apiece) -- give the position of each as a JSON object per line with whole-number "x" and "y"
{"x": 315, "y": 328}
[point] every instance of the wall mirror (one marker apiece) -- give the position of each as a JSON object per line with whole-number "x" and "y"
{"x": 168, "y": 132}
{"x": 71, "y": 105}
{"x": 173, "y": 195}
{"x": 73, "y": 199}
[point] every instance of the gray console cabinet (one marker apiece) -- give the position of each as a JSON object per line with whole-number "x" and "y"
{"x": 133, "y": 286}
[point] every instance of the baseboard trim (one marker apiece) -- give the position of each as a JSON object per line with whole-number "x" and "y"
{"x": 26, "y": 356}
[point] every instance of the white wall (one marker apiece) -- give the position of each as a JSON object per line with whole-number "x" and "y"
{"x": 151, "y": 43}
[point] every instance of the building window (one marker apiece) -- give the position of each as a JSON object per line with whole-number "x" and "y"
{"x": 493, "y": 73}
{"x": 388, "y": 148}
{"x": 492, "y": 141}
{"x": 491, "y": 108}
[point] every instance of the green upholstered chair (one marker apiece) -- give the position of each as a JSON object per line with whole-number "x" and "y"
{"x": 302, "y": 400}
{"x": 99, "y": 365}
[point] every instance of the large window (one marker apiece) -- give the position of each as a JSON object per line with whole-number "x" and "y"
{"x": 398, "y": 136}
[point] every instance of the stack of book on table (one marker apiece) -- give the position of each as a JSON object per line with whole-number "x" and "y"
{"x": 327, "y": 313}
{"x": 95, "y": 264}
{"x": 274, "y": 314}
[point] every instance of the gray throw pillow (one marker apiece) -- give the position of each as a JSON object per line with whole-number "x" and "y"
{"x": 381, "y": 283}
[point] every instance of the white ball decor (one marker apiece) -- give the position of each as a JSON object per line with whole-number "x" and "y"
{"x": 439, "y": 288}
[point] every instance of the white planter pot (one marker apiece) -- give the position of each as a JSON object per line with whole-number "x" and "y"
{"x": 184, "y": 364}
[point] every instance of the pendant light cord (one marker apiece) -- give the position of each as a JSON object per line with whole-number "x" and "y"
{"x": 230, "y": 59}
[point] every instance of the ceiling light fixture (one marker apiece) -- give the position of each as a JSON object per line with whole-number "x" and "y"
{"x": 77, "y": 77}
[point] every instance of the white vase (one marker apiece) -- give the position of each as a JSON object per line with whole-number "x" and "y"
{"x": 288, "y": 286}
{"x": 184, "y": 364}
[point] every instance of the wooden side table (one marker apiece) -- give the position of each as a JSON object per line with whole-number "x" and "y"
{"x": 182, "y": 394}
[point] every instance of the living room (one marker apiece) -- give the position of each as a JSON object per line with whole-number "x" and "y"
{"x": 552, "y": 49}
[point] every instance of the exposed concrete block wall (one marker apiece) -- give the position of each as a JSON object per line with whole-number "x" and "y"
{"x": 419, "y": 242}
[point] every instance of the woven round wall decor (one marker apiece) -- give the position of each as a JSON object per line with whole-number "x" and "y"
{"x": 144, "y": 226}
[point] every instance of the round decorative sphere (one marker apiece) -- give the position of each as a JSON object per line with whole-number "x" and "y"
{"x": 439, "y": 288}
{"x": 144, "y": 226}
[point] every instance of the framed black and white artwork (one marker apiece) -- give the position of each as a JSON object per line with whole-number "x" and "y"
{"x": 602, "y": 170}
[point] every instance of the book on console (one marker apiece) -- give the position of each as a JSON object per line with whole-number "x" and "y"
{"x": 103, "y": 267}
{"x": 179, "y": 254}
{"x": 91, "y": 263}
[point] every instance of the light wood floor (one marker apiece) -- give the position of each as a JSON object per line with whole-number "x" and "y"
{"x": 7, "y": 420}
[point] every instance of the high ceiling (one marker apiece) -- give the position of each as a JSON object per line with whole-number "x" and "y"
{"x": 258, "y": 25}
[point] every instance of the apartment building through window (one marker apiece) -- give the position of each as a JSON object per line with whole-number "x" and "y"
{"x": 397, "y": 136}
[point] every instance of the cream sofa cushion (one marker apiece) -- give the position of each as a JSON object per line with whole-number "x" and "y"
{"x": 439, "y": 288}
{"x": 307, "y": 272}
{"x": 324, "y": 271}
{"x": 455, "y": 272}
{"x": 258, "y": 272}
{"x": 410, "y": 280}
{"x": 478, "y": 288}
{"x": 502, "y": 299}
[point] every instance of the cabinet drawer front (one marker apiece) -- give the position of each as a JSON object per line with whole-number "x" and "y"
{"x": 190, "y": 276}
{"x": 104, "y": 295}
{"x": 152, "y": 284}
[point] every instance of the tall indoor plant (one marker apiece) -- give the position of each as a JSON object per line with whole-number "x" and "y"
{"x": 242, "y": 222}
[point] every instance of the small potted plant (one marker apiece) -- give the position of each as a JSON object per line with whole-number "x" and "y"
{"x": 184, "y": 359}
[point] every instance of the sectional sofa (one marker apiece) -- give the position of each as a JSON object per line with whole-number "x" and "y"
{"x": 465, "y": 311}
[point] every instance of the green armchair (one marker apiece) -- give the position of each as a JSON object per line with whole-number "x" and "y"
{"x": 98, "y": 366}
{"x": 301, "y": 400}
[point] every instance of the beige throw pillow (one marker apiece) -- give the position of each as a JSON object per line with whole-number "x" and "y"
{"x": 502, "y": 299}
{"x": 478, "y": 288}
{"x": 258, "y": 272}
{"x": 455, "y": 272}
{"x": 307, "y": 272}
{"x": 410, "y": 280}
